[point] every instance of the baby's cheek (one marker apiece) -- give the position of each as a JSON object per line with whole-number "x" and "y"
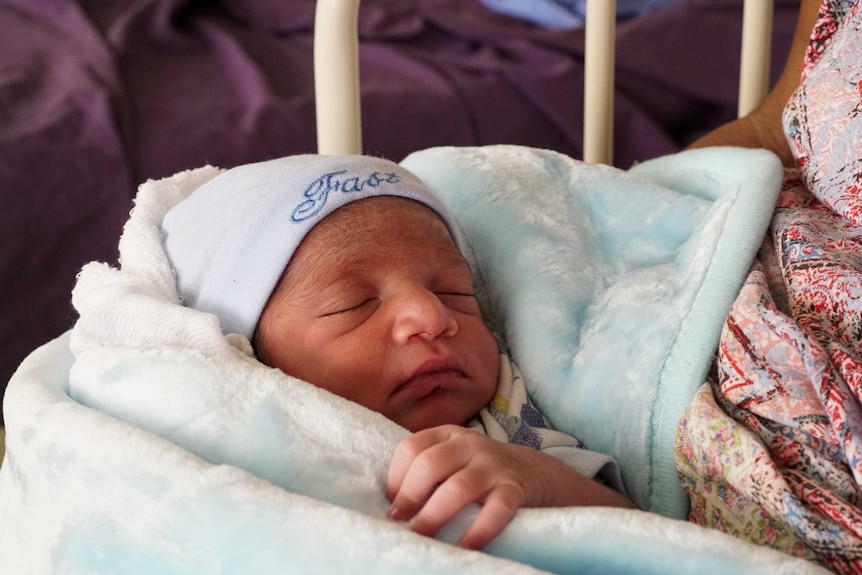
{"x": 355, "y": 375}
{"x": 490, "y": 362}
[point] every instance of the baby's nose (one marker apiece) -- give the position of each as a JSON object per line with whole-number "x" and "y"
{"x": 420, "y": 312}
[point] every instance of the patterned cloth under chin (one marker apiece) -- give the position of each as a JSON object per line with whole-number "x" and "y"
{"x": 511, "y": 416}
{"x": 770, "y": 449}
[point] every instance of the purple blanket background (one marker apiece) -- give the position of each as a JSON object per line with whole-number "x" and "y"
{"x": 97, "y": 96}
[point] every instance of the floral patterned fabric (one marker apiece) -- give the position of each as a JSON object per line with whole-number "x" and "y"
{"x": 771, "y": 448}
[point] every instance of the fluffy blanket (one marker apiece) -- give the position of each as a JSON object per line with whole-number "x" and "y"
{"x": 147, "y": 442}
{"x": 611, "y": 286}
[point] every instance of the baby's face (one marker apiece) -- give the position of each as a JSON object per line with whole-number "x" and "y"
{"x": 377, "y": 306}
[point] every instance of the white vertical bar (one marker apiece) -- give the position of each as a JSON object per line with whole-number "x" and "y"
{"x": 599, "y": 81}
{"x": 336, "y": 77}
{"x": 756, "y": 53}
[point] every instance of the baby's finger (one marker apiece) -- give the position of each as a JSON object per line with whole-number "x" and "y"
{"x": 457, "y": 492}
{"x": 436, "y": 466}
{"x": 499, "y": 508}
{"x": 407, "y": 451}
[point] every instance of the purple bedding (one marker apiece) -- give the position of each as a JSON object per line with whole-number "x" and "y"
{"x": 99, "y": 95}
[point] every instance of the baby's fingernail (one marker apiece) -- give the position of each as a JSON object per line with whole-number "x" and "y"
{"x": 394, "y": 514}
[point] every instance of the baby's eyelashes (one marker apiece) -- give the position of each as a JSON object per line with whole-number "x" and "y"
{"x": 460, "y": 301}
{"x": 464, "y": 302}
{"x": 347, "y": 308}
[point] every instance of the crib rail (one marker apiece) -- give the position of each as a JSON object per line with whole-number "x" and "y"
{"x": 599, "y": 70}
{"x": 599, "y": 58}
{"x": 756, "y": 53}
{"x": 336, "y": 76}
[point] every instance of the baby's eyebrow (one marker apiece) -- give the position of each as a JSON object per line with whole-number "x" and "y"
{"x": 305, "y": 280}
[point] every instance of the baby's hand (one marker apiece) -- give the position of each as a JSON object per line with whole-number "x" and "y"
{"x": 437, "y": 472}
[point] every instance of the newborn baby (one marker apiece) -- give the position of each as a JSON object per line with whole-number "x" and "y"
{"x": 347, "y": 272}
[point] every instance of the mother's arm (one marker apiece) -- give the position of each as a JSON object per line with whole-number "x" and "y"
{"x": 762, "y": 128}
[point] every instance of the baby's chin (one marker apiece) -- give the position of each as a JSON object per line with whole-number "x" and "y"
{"x": 444, "y": 409}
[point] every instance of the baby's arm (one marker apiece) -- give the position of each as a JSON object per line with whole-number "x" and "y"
{"x": 437, "y": 472}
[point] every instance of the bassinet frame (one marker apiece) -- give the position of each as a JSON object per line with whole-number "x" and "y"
{"x": 337, "y": 92}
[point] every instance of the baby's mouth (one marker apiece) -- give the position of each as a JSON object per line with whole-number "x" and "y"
{"x": 428, "y": 378}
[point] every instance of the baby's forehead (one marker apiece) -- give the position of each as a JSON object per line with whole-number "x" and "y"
{"x": 357, "y": 233}
{"x": 361, "y": 218}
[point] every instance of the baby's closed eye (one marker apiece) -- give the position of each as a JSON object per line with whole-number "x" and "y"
{"x": 464, "y": 302}
{"x": 346, "y": 307}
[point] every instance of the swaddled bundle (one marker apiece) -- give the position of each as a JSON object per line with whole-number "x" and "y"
{"x": 149, "y": 441}
{"x": 348, "y": 273}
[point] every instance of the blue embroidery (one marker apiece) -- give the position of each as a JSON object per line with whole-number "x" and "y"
{"x": 317, "y": 192}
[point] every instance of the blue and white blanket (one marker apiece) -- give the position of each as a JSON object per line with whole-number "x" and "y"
{"x": 144, "y": 441}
